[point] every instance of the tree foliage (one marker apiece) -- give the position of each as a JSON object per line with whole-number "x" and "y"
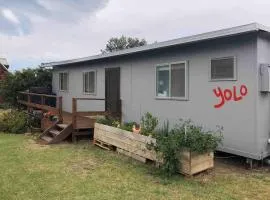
{"x": 123, "y": 42}
{"x": 23, "y": 80}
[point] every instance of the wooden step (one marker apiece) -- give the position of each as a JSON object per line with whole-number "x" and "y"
{"x": 47, "y": 138}
{"x": 55, "y": 132}
{"x": 62, "y": 126}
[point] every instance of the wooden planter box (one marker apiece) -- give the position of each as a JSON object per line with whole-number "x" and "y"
{"x": 135, "y": 146}
{"x": 192, "y": 163}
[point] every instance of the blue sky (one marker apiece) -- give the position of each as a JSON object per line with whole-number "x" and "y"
{"x": 35, "y": 31}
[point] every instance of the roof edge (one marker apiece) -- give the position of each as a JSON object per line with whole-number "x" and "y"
{"x": 184, "y": 40}
{"x": 4, "y": 67}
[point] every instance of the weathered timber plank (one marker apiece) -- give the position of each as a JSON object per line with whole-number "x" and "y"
{"x": 129, "y": 154}
{"x": 144, "y": 152}
{"x": 123, "y": 133}
{"x": 39, "y": 106}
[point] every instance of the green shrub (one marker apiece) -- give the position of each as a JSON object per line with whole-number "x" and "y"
{"x": 106, "y": 121}
{"x": 128, "y": 126}
{"x": 5, "y": 106}
{"x": 185, "y": 135}
{"x": 167, "y": 148}
{"x": 13, "y": 121}
{"x": 148, "y": 124}
{"x": 109, "y": 121}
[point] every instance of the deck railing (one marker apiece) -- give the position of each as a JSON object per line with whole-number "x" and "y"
{"x": 76, "y": 113}
{"x": 43, "y": 102}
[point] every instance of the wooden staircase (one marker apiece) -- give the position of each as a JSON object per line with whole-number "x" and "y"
{"x": 56, "y": 133}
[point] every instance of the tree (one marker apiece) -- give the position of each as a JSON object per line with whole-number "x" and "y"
{"x": 23, "y": 80}
{"x": 116, "y": 44}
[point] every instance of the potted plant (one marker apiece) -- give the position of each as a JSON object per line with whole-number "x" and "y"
{"x": 187, "y": 148}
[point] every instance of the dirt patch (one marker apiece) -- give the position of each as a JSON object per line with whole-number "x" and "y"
{"x": 227, "y": 167}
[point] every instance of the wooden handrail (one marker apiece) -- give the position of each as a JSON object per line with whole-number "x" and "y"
{"x": 35, "y": 94}
{"x": 42, "y": 105}
{"x": 76, "y": 113}
{"x": 98, "y": 99}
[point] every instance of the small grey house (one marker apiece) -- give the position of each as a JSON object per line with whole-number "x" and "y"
{"x": 216, "y": 78}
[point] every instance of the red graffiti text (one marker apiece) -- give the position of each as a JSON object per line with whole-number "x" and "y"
{"x": 230, "y": 95}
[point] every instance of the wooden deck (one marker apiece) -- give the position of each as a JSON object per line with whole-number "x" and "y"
{"x": 78, "y": 119}
{"x": 81, "y": 122}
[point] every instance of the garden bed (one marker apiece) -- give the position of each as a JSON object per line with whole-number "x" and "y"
{"x": 135, "y": 146}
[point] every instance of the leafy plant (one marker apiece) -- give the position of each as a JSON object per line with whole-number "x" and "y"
{"x": 106, "y": 121}
{"x": 195, "y": 138}
{"x": 128, "y": 126}
{"x": 13, "y": 121}
{"x": 185, "y": 135}
{"x": 109, "y": 121}
{"x": 148, "y": 124}
{"x": 167, "y": 149}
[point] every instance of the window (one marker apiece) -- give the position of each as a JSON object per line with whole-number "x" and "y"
{"x": 223, "y": 68}
{"x": 89, "y": 82}
{"x": 63, "y": 81}
{"x": 172, "y": 80}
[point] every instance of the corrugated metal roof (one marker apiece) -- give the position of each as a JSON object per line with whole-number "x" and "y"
{"x": 185, "y": 40}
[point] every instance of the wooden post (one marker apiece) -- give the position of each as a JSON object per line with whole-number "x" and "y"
{"x": 28, "y": 101}
{"x": 60, "y": 110}
{"x": 74, "y": 110}
{"x": 42, "y": 100}
{"x": 120, "y": 110}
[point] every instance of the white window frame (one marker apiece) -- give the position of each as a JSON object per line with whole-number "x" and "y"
{"x": 63, "y": 72}
{"x": 186, "y": 81}
{"x": 95, "y": 88}
{"x": 223, "y": 79}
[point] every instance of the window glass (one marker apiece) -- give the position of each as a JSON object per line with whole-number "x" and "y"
{"x": 89, "y": 79}
{"x": 178, "y": 80}
{"x": 163, "y": 75}
{"x": 63, "y": 81}
{"x": 222, "y": 68}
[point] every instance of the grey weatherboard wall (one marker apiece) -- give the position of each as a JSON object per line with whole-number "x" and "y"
{"x": 245, "y": 123}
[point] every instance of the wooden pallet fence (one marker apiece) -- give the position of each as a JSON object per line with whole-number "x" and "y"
{"x": 125, "y": 140}
{"x": 135, "y": 146}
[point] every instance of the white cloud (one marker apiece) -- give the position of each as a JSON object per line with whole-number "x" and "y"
{"x": 9, "y": 15}
{"x": 154, "y": 20}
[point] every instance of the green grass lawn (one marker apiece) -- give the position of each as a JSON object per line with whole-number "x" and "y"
{"x": 83, "y": 171}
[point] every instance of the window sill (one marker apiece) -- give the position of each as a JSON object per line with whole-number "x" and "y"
{"x": 172, "y": 98}
{"x": 86, "y": 93}
{"x": 65, "y": 91}
{"x": 227, "y": 79}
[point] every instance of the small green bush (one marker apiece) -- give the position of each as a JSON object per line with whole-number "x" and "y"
{"x": 196, "y": 138}
{"x": 148, "y": 124}
{"x": 109, "y": 121}
{"x": 13, "y": 121}
{"x": 128, "y": 126}
{"x": 185, "y": 135}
